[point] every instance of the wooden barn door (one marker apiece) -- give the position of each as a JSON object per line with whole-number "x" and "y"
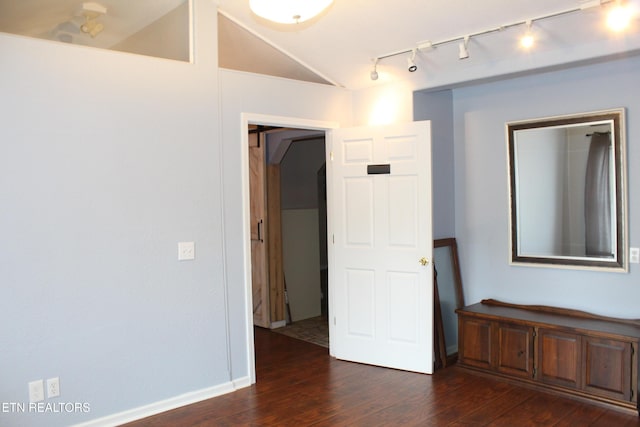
{"x": 267, "y": 272}
{"x": 258, "y": 218}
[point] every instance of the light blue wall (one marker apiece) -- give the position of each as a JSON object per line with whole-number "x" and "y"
{"x": 107, "y": 161}
{"x": 481, "y": 192}
{"x": 438, "y": 107}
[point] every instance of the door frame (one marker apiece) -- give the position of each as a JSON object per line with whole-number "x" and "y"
{"x": 281, "y": 121}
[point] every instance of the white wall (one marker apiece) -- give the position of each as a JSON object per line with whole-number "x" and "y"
{"x": 107, "y": 161}
{"x": 480, "y": 113}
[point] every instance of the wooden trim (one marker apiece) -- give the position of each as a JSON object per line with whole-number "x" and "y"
{"x": 274, "y": 239}
{"x": 561, "y": 311}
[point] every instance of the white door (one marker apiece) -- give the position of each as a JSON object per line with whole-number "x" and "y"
{"x": 381, "y": 293}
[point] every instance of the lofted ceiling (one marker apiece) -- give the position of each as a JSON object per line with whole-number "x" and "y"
{"x": 338, "y": 46}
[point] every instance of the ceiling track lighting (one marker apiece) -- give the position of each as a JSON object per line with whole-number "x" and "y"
{"x": 619, "y": 17}
{"x": 411, "y": 62}
{"x": 374, "y": 72}
{"x": 463, "y": 41}
{"x": 91, "y": 12}
{"x": 463, "y": 48}
{"x": 527, "y": 40}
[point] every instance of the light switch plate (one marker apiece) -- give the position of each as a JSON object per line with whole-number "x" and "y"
{"x": 634, "y": 255}
{"x": 186, "y": 251}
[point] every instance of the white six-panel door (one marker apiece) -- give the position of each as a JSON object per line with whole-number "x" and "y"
{"x": 380, "y": 236}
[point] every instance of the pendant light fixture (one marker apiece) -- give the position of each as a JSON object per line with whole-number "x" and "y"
{"x": 288, "y": 11}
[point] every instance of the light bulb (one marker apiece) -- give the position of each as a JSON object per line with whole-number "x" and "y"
{"x": 619, "y": 18}
{"x": 527, "y": 41}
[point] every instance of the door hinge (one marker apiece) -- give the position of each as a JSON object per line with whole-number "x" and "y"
{"x": 334, "y": 320}
{"x": 331, "y": 155}
{"x": 333, "y": 239}
{"x": 535, "y": 371}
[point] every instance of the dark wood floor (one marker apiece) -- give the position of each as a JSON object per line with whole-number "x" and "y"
{"x": 298, "y": 384}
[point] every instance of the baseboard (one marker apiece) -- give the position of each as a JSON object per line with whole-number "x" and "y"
{"x": 241, "y": 383}
{"x": 278, "y": 324}
{"x": 167, "y": 405}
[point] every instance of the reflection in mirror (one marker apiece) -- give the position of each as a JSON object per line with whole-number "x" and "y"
{"x": 568, "y": 205}
{"x": 448, "y": 289}
{"x": 158, "y": 28}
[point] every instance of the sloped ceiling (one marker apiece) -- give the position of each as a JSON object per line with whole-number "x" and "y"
{"x": 239, "y": 49}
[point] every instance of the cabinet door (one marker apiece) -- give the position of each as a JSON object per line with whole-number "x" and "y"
{"x": 514, "y": 350}
{"x": 559, "y": 356}
{"x": 474, "y": 342}
{"x": 607, "y": 368}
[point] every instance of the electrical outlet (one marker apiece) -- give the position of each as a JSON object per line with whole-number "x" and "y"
{"x": 53, "y": 387}
{"x": 634, "y": 255}
{"x": 36, "y": 391}
{"x": 186, "y": 251}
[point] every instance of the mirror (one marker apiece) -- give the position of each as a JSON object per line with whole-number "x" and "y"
{"x": 567, "y": 191}
{"x": 160, "y": 28}
{"x": 448, "y": 297}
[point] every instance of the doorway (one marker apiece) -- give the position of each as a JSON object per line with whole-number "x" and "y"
{"x": 317, "y": 127}
{"x": 288, "y": 246}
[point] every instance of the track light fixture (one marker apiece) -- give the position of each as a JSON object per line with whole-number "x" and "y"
{"x": 619, "y": 18}
{"x": 411, "y": 61}
{"x": 527, "y": 40}
{"x": 374, "y": 72}
{"x": 91, "y": 12}
{"x": 463, "y": 50}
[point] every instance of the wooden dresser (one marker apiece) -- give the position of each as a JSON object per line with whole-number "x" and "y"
{"x": 564, "y": 351}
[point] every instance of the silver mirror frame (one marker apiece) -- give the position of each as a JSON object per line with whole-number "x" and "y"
{"x": 619, "y": 263}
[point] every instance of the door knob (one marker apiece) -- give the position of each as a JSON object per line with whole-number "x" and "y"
{"x": 423, "y": 261}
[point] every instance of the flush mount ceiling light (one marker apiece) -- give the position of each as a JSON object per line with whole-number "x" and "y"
{"x": 288, "y": 11}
